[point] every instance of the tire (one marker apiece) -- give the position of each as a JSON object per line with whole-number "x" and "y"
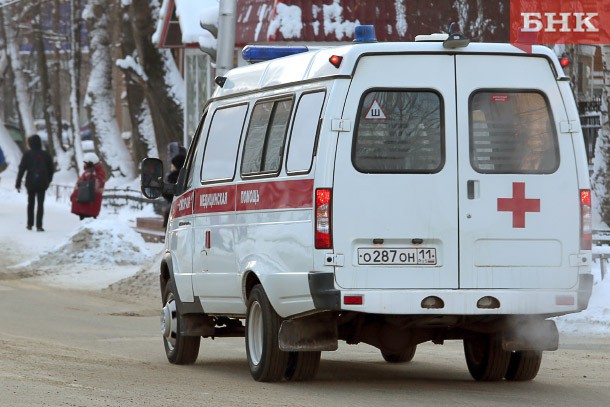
{"x": 180, "y": 350}
{"x": 402, "y": 357}
{"x": 302, "y": 366}
{"x": 267, "y": 362}
{"x": 486, "y": 359}
{"x": 524, "y": 365}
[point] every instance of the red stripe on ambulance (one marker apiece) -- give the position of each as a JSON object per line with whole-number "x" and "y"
{"x": 254, "y": 196}
{"x": 182, "y": 205}
{"x": 215, "y": 199}
{"x": 275, "y": 195}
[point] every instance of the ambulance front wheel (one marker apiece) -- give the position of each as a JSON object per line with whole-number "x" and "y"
{"x": 179, "y": 349}
{"x": 267, "y": 362}
{"x": 486, "y": 359}
{"x": 402, "y": 357}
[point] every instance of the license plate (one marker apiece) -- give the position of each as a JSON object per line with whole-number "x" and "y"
{"x": 420, "y": 256}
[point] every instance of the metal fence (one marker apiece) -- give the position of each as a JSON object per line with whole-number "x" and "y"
{"x": 601, "y": 249}
{"x": 113, "y": 198}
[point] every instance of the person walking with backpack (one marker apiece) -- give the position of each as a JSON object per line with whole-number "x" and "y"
{"x": 87, "y": 195}
{"x": 37, "y": 165}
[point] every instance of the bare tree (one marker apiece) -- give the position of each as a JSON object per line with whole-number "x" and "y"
{"x": 22, "y": 91}
{"x": 601, "y": 178}
{"x": 74, "y": 68}
{"x": 99, "y": 98}
{"x": 43, "y": 75}
{"x": 143, "y": 141}
{"x": 56, "y": 73}
{"x": 165, "y": 108}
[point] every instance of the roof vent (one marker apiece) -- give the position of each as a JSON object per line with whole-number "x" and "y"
{"x": 438, "y": 37}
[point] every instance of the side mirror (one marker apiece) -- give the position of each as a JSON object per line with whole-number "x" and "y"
{"x": 151, "y": 177}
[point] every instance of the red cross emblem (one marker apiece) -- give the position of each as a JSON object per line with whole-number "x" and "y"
{"x": 518, "y": 205}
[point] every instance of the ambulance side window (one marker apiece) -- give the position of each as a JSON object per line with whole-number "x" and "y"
{"x": 194, "y": 154}
{"x": 194, "y": 157}
{"x": 220, "y": 155}
{"x": 512, "y": 132}
{"x": 264, "y": 143}
{"x": 399, "y": 132}
{"x": 304, "y": 132}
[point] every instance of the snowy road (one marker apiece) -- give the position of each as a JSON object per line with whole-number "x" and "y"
{"x": 82, "y": 349}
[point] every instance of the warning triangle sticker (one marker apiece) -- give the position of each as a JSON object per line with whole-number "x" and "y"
{"x": 375, "y": 112}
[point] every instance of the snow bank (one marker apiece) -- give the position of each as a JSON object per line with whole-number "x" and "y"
{"x": 595, "y": 320}
{"x": 96, "y": 242}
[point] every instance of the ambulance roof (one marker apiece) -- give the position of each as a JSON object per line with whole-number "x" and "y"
{"x": 315, "y": 65}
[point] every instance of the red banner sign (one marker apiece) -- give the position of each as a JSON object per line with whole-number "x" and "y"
{"x": 559, "y": 22}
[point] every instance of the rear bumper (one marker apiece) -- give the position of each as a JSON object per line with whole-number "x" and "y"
{"x": 585, "y": 287}
{"x": 456, "y": 302}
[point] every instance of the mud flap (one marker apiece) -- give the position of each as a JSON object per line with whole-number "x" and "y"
{"x": 531, "y": 335}
{"x": 308, "y": 334}
{"x": 196, "y": 325}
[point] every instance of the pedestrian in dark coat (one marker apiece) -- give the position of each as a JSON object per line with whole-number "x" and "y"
{"x": 93, "y": 169}
{"x": 172, "y": 178}
{"x": 37, "y": 165}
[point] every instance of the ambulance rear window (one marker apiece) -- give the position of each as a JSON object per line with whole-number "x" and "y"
{"x": 512, "y": 132}
{"x": 399, "y": 132}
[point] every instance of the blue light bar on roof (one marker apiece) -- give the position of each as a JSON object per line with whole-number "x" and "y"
{"x": 364, "y": 33}
{"x": 259, "y": 53}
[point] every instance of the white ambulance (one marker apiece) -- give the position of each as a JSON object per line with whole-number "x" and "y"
{"x": 383, "y": 193}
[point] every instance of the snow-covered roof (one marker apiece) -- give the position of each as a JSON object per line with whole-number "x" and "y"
{"x": 268, "y": 21}
{"x": 395, "y": 20}
{"x": 179, "y": 23}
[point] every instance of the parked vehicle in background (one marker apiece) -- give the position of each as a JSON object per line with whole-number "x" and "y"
{"x": 86, "y": 137}
{"x": 385, "y": 193}
{"x": 17, "y": 135}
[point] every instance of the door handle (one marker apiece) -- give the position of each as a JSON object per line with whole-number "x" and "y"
{"x": 208, "y": 239}
{"x": 185, "y": 223}
{"x": 472, "y": 188}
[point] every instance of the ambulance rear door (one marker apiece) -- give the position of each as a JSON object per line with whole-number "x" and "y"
{"x": 519, "y": 202}
{"x": 394, "y": 198}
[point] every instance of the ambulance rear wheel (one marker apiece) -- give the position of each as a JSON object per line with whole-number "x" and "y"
{"x": 267, "y": 362}
{"x": 180, "y": 350}
{"x": 302, "y": 366}
{"x": 402, "y": 357}
{"x": 486, "y": 359}
{"x": 524, "y": 365}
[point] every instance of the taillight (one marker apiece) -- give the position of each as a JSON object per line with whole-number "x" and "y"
{"x": 586, "y": 227}
{"x": 323, "y": 226}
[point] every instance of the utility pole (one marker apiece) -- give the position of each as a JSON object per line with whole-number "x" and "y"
{"x": 226, "y": 36}
{"x": 224, "y": 33}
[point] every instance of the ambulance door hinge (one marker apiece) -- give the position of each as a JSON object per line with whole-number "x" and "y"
{"x": 344, "y": 125}
{"x": 570, "y": 126}
{"x": 334, "y": 260}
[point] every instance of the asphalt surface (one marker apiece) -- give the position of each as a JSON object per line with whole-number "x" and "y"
{"x": 77, "y": 348}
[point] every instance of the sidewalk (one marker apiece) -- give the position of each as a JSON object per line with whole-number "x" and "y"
{"x": 17, "y": 244}
{"x": 88, "y": 254}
